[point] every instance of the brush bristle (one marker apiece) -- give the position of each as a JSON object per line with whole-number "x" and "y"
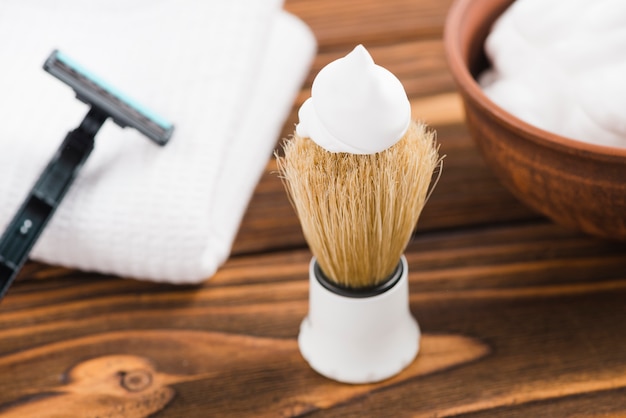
{"x": 358, "y": 212}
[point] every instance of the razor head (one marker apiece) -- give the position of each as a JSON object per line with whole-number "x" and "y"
{"x": 95, "y": 92}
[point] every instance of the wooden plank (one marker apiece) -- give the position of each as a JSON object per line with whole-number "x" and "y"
{"x": 527, "y": 313}
{"x": 224, "y": 367}
{"x": 365, "y": 21}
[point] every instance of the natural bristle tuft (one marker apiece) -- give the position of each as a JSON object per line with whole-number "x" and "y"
{"x": 358, "y": 211}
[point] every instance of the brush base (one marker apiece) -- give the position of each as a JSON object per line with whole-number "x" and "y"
{"x": 359, "y": 339}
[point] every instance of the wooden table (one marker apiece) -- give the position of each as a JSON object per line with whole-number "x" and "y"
{"x": 521, "y": 318}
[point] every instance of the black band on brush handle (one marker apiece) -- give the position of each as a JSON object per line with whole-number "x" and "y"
{"x": 45, "y": 196}
{"x": 364, "y": 292}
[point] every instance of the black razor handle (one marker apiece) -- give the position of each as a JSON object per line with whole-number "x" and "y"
{"x": 45, "y": 196}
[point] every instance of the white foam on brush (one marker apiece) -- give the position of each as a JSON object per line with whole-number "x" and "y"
{"x": 561, "y": 66}
{"x": 355, "y": 106}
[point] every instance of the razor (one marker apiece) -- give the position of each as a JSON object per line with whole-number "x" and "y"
{"x": 45, "y": 196}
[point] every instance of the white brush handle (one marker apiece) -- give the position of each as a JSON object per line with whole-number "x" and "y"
{"x": 359, "y": 340}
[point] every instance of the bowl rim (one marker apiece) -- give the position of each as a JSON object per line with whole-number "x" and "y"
{"x": 470, "y": 88}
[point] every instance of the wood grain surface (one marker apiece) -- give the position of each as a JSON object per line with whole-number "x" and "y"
{"x": 521, "y": 318}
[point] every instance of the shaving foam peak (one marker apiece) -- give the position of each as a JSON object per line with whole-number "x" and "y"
{"x": 356, "y": 106}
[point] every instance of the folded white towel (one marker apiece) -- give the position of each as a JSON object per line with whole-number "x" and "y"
{"x": 224, "y": 72}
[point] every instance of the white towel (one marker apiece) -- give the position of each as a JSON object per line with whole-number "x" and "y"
{"x": 225, "y": 72}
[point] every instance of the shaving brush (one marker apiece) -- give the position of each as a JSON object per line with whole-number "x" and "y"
{"x": 358, "y": 208}
{"x": 358, "y": 212}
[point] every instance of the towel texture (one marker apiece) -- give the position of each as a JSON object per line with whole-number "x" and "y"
{"x": 224, "y": 72}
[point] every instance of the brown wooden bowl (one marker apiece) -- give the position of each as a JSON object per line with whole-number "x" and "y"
{"x": 574, "y": 183}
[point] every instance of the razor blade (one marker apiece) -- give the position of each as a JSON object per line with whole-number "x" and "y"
{"x": 94, "y": 91}
{"x": 55, "y": 180}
